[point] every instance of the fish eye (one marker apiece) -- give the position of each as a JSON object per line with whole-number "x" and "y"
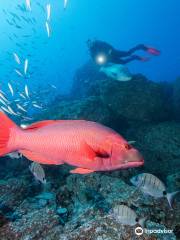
{"x": 137, "y": 220}
{"x": 164, "y": 193}
{"x": 127, "y": 146}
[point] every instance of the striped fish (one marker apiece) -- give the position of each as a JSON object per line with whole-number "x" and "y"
{"x": 126, "y": 216}
{"x": 38, "y": 172}
{"x": 153, "y": 186}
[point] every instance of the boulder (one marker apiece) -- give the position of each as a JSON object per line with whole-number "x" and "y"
{"x": 135, "y": 101}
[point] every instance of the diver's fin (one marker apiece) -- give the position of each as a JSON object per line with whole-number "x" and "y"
{"x": 82, "y": 171}
{"x": 144, "y": 59}
{"x": 39, "y": 124}
{"x": 37, "y": 157}
{"x": 153, "y": 51}
{"x": 170, "y": 197}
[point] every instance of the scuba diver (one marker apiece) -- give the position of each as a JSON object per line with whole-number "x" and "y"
{"x": 103, "y": 53}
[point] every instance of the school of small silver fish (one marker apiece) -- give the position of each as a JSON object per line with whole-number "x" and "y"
{"x": 16, "y": 95}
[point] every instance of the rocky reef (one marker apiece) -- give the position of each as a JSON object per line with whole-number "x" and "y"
{"x": 75, "y": 207}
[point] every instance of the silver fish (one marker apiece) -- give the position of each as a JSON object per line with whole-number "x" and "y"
{"x": 38, "y": 172}
{"x": 3, "y": 97}
{"x": 27, "y": 118}
{"x": 153, "y": 186}
{"x": 18, "y": 72}
{"x": 3, "y": 102}
{"x": 12, "y": 111}
{"x": 22, "y": 95}
{"x": 26, "y": 91}
{"x": 48, "y": 29}
{"x": 53, "y": 86}
{"x": 48, "y": 8}
{"x": 28, "y": 4}
{"x": 126, "y": 216}
{"x": 65, "y": 4}
{"x": 5, "y": 110}
{"x": 37, "y": 106}
{"x": 25, "y": 66}
{"x": 16, "y": 58}
{"x": 20, "y": 108}
{"x": 11, "y": 89}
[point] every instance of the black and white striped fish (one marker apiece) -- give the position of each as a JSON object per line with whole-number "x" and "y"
{"x": 126, "y": 216}
{"x": 152, "y": 186}
{"x": 38, "y": 172}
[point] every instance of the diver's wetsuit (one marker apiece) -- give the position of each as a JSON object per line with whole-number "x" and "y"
{"x": 115, "y": 56}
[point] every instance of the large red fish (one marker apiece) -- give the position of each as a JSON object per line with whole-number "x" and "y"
{"x": 87, "y": 145}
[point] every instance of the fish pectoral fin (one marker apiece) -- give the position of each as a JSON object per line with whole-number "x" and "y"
{"x": 37, "y": 157}
{"x": 82, "y": 171}
{"x": 88, "y": 152}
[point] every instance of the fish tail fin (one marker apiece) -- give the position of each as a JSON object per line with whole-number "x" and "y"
{"x": 170, "y": 197}
{"x": 6, "y": 124}
{"x": 142, "y": 222}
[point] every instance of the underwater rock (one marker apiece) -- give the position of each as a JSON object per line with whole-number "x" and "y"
{"x": 87, "y": 214}
{"x": 91, "y": 109}
{"x": 173, "y": 181}
{"x": 3, "y": 220}
{"x": 159, "y": 145}
{"x": 35, "y": 224}
{"x": 46, "y": 196}
{"x": 86, "y": 81}
{"x": 12, "y": 167}
{"x": 13, "y": 192}
{"x": 176, "y": 98}
{"x": 138, "y": 100}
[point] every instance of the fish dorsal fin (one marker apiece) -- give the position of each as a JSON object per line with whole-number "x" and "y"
{"x": 40, "y": 124}
{"x": 37, "y": 157}
{"x": 82, "y": 171}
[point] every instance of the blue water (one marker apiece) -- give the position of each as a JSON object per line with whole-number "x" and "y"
{"x": 122, "y": 23}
